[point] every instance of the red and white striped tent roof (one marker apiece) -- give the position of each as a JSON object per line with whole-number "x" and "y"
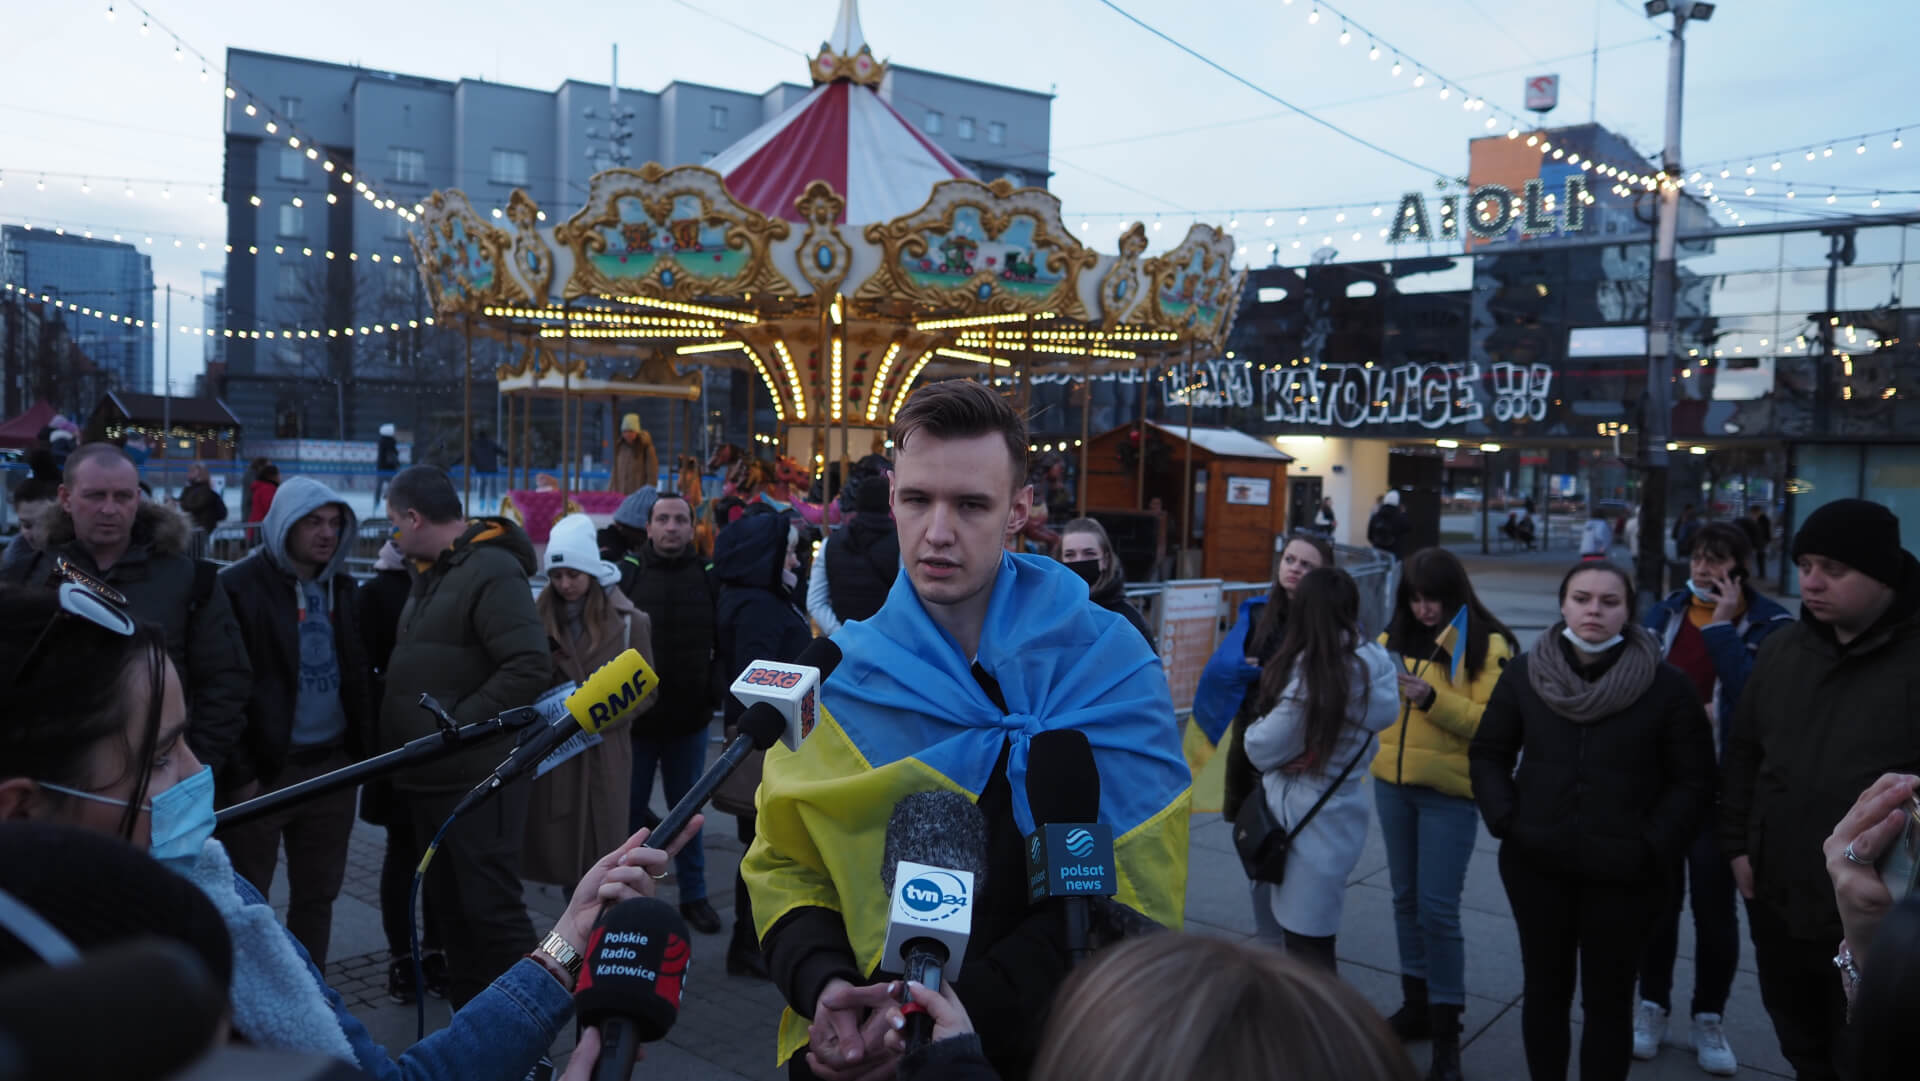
{"x": 843, "y": 133}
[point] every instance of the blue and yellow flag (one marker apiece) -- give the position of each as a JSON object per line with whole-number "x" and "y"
{"x": 1457, "y": 645}
{"x": 903, "y": 713}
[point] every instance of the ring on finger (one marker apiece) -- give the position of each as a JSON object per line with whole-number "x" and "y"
{"x": 659, "y": 876}
{"x": 1855, "y": 857}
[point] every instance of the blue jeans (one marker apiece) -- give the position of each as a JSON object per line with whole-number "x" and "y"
{"x": 1716, "y": 930}
{"x": 680, "y": 760}
{"x": 1429, "y": 838}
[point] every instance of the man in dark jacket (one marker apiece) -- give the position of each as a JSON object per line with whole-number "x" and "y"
{"x": 470, "y": 637}
{"x": 1388, "y": 529}
{"x": 858, "y": 563}
{"x": 386, "y": 462}
{"x": 202, "y": 504}
{"x": 1825, "y": 713}
{"x": 672, "y": 586}
{"x": 140, "y": 548}
{"x": 311, "y": 709}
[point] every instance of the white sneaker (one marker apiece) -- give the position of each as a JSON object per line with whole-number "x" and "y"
{"x": 1649, "y": 1028}
{"x": 1710, "y": 1046}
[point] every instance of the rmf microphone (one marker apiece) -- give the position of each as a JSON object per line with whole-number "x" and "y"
{"x": 630, "y": 984}
{"x": 781, "y": 701}
{"x": 612, "y": 692}
{"x": 935, "y": 865}
{"x": 1070, "y": 852}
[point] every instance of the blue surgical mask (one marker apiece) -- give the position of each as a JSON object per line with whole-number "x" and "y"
{"x": 1703, "y": 594}
{"x": 181, "y": 817}
{"x": 1587, "y": 647}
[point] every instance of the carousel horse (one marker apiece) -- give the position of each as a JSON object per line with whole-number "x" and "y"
{"x": 784, "y": 494}
{"x": 689, "y": 486}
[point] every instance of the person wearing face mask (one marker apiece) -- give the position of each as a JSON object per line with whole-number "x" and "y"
{"x": 1712, "y": 631}
{"x": 1223, "y": 703}
{"x": 1087, "y": 552}
{"x": 94, "y": 736}
{"x": 1615, "y": 776}
{"x": 1450, "y": 651}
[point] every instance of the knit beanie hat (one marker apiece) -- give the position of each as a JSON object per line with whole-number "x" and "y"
{"x": 1858, "y": 532}
{"x": 637, "y": 509}
{"x": 571, "y": 545}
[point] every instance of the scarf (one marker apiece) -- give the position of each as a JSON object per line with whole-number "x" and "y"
{"x": 1580, "y": 700}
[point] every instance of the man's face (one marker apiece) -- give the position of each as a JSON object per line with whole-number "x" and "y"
{"x": 314, "y": 538}
{"x": 29, "y": 514}
{"x": 1840, "y": 595}
{"x": 406, "y": 533}
{"x": 670, "y": 527}
{"x": 955, "y": 505}
{"x": 103, "y": 499}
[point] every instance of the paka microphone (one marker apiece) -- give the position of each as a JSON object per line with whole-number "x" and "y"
{"x": 934, "y": 866}
{"x": 636, "y": 966}
{"x": 1070, "y": 852}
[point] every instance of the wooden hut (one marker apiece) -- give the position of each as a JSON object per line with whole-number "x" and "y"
{"x": 1238, "y": 485}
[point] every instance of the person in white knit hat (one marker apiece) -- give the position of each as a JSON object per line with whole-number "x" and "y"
{"x": 578, "y": 805}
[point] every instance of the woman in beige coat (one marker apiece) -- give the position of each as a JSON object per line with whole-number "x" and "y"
{"x": 578, "y": 810}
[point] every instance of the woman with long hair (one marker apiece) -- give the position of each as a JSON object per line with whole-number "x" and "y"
{"x": 1088, "y": 552}
{"x": 1321, "y": 698}
{"x": 578, "y": 809}
{"x": 1223, "y": 702}
{"x": 1615, "y": 771}
{"x": 1450, "y": 651}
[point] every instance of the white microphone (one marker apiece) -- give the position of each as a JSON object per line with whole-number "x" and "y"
{"x": 793, "y": 689}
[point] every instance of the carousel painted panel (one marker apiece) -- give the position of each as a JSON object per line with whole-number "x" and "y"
{"x": 978, "y": 247}
{"x": 668, "y": 233}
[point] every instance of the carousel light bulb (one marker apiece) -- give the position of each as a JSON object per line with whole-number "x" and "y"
{"x": 1420, "y": 78}
{"x": 1533, "y": 140}
{"x": 1492, "y": 122}
{"x": 1513, "y": 133}
{"x": 1396, "y": 67}
{"x": 1345, "y": 34}
{"x": 1313, "y": 16}
{"x": 1373, "y": 51}
{"x": 250, "y": 109}
{"x": 272, "y": 128}
{"x": 230, "y": 93}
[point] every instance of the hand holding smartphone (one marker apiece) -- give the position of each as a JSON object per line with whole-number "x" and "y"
{"x": 1899, "y": 865}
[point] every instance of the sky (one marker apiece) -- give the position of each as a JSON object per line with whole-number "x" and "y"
{"x": 1140, "y": 128}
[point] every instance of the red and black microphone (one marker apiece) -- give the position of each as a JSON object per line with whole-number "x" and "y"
{"x": 636, "y": 966}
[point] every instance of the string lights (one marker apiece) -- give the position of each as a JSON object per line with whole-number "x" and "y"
{"x": 276, "y": 334}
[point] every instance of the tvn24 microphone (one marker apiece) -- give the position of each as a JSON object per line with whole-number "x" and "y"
{"x": 612, "y": 692}
{"x": 1070, "y": 853}
{"x": 781, "y": 700}
{"x": 630, "y": 985}
{"x": 934, "y": 866}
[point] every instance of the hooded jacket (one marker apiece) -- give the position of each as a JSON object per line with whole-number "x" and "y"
{"x": 862, "y": 560}
{"x": 756, "y": 621}
{"x": 1817, "y": 724}
{"x": 1733, "y": 647}
{"x": 266, "y": 597}
{"x": 470, "y": 637}
{"x": 678, "y": 594}
{"x": 165, "y": 585}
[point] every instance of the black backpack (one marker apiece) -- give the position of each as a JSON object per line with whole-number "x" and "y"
{"x": 1380, "y": 530}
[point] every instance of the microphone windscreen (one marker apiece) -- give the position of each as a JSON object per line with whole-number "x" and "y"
{"x": 940, "y": 829}
{"x": 162, "y": 1003}
{"x": 761, "y": 723}
{"x": 612, "y": 692}
{"x": 636, "y": 967}
{"x": 820, "y": 653}
{"x": 1063, "y": 784}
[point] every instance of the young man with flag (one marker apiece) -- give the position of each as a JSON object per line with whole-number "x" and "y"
{"x": 975, "y": 651}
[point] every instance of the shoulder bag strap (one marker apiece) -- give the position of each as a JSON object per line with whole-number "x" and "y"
{"x": 1331, "y": 789}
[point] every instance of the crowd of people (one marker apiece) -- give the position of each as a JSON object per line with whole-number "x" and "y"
{"x": 1629, "y": 768}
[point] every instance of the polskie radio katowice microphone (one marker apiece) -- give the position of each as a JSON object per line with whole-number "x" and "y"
{"x": 615, "y": 690}
{"x": 1070, "y": 852}
{"x": 630, "y": 984}
{"x": 935, "y": 865}
{"x": 781, "y": 700}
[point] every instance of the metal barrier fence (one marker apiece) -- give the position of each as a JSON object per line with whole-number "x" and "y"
{"x": 229, "y": 543}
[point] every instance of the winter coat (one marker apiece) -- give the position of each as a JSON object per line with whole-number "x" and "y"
{"x": 386, "y": 457}
{"x": 1817, "y": 724}
{"x": 1114, "y": 599}
{"x": 757, "y": 622}
{"x": 264, "y": 593}
{"x": 1733, "y": 646}
{"x": 862, "y": 560}
{"x": 381, "y": 600}
{"x": 1323, "y": 853}
{"x": 577, "y": 811}
{"x": 635, "y": 464}
{"x": 1389, "y": 529}
{"x": 260, "y": 502}
{"x": 1596, "y": 537}
{"x": 1615, "y": 800}
{"x": 1427, "y": 747}
{"x": 164, "y": 585}
{"x": 678, "y": 594}
{"x": 470, "y": 637}
{"x": 203, "y": 505}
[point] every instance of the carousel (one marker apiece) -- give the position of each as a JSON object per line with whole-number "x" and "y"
{"x": 835, "y": 253}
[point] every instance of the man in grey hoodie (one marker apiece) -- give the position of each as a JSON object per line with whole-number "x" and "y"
{"x": 311, "y": 708}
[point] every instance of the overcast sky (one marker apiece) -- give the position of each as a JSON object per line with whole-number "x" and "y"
{"x": 1138, "y": 126}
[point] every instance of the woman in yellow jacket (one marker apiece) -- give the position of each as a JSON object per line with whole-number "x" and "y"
{"x": 1451, "y": 651}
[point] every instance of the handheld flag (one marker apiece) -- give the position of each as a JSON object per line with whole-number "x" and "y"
{"x": 1458, "y": 625}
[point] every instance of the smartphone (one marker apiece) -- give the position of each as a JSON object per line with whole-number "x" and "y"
{"x": 1899, "y": 866}
{"x": 1737, "y": 574}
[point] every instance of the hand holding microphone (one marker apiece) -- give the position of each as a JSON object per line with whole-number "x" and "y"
{"x": 636, "y": 967}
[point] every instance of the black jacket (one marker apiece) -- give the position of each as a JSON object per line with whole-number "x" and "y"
{"x": 1114, "y": 599}
{"x": 387, "y": 456}
{"x": 1615, "y": 800}
{"x": 756, "y": 616}
{"x": 1389, "y": 528}
{"x": 863, "y": 560}
{"x": 1818, "y": 723}
{"x": 203, "y": 505}
{"x": 678, "y": 595}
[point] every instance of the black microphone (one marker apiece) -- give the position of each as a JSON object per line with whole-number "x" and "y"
{"x": 164, "y": 1004}
{"x": 780, "y": 707}
{"x": 636, "y": 966}
{"x": 934, "y": 866}
{"x": 1069, "y": 853}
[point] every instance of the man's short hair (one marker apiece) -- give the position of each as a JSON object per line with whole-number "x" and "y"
{"x": 1723, "y": 540}
{"x": 962, "y": 409}
{"x": 93, "y": 452}
{"x": 662, "y": 498}
{"x": 427, "y": 490}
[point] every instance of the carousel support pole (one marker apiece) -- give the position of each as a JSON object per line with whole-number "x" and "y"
{"x": 466, "y": 422}
{"x": 1086, "y": 415}
{"x": 820, "y": 404}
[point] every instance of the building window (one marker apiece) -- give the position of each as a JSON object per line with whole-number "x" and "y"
{"x": 292, "y": 281}
{"x": 289, "y": 108}
{"x": 996, "y": 133}
{"x": 717, "y": 117}
{"x": 508, "y": 167}
{"x": 409, "y": 165}
{"x": 963, "y": 127}
{"x": 293, "y": 164}
{"x": 293, "y": 221}
{"x": 935, "y": 122}
{"x": 1013, "y": 177}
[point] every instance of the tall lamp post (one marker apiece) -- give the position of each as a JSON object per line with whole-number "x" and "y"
{"x": 1656, "y": 429}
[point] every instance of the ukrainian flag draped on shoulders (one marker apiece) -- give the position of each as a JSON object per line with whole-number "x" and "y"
{"x": 903, "y": 713}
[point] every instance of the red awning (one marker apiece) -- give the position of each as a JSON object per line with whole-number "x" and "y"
{"x": 22, "y": 430}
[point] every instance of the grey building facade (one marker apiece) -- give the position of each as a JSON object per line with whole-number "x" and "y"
{"x": 100, "y": 274}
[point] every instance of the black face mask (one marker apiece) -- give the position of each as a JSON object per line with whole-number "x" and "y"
{"x": 1087, "y": 569}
